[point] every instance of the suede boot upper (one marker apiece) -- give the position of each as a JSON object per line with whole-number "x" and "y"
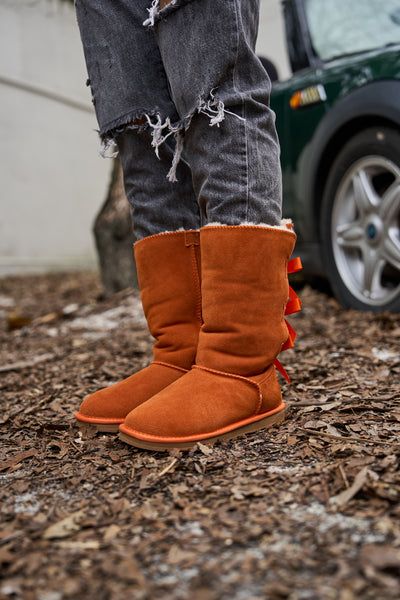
{"x": 168, "y": 272}
{"x": 233, "y": 384}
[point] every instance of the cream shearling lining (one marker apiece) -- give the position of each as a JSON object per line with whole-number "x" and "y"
{"x": 283, "y": 224}
{"x": 180, "y": 229}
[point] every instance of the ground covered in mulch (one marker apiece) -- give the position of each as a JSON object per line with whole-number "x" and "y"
{"x": 305, "y": 511}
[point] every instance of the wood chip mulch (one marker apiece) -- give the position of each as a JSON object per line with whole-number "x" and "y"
{"x": 309, "y": 510}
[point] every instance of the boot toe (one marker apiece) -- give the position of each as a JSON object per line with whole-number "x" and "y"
{"x": 100, "y": 408}
{"x": 112, "y": 404}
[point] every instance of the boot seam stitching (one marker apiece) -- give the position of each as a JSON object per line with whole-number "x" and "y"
{"x": 267, "y": 376}
{"x": 196, "y": 277}
{"x": 165, "y": 364}
{"x": 241, "y": 378}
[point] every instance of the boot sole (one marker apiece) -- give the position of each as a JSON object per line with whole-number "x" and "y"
{"x": 99, "y": 428}
{"x": 269, "y": 421}
{"x": 86, "y": 423}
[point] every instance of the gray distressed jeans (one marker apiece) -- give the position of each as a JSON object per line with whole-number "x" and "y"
{"x": 179, "y": 91}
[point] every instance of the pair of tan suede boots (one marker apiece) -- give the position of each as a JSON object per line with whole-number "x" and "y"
{"x": 215, "y": 301}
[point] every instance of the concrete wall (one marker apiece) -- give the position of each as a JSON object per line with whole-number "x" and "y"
{"x": 53, "y": 181}
{"x": 52, "y": 178}
{"x": 271, "y": 36}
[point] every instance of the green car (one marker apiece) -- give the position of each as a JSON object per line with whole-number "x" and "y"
{"x": 338, "y": 119}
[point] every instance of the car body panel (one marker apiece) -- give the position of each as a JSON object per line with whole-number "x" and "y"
{"x": 361, "y": 90}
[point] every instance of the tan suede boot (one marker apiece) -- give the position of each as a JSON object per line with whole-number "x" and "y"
{"x": 168, "y": 266}
{"x": 232, "y": 388}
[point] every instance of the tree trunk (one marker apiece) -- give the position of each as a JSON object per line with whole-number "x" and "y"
{"x": 114, "y": 237}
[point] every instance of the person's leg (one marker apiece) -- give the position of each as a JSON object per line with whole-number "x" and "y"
{"x": 221, "y": 93}
{"x": 157, "y": 204}
{"x": 135, "y": 111}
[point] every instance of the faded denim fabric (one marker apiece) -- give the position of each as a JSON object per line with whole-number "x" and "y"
{"x": 181, "y": 92}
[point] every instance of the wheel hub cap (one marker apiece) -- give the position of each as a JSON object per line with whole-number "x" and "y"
{"x": 374, "y": 230}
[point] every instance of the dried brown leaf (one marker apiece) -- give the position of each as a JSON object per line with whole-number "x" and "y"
{"x": 64, "y": 528}
{"x": 17, "y": 458}
{"x": 344, "y": 497}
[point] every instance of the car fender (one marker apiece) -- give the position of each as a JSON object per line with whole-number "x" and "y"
{"x": 379, "y": 100}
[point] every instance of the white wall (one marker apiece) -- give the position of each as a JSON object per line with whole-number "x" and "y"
{"x": 52, "y": 178}
{"x": 53, "y": 181}
{"x": 271, "y": 36}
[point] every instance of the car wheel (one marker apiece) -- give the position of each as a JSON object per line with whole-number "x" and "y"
{"x": 360, "y": 222}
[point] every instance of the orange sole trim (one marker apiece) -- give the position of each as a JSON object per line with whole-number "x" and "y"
{"x": 153, "y": 442}
{"x": 99, "y": 424}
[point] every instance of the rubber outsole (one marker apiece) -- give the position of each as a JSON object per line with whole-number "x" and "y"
{"x": 98, "y": 426}
{"x": 269, "y": 421}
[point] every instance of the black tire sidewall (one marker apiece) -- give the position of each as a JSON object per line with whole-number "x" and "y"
{"x": 378, "y": 141}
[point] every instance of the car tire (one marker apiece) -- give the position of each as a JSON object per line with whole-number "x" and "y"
{"x": 360, "y": 222}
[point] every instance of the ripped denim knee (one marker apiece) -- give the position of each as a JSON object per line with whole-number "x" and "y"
{"x": 161, "y": 129}
{"x": 160, "y": 9}
{"x": 158, "y": 77}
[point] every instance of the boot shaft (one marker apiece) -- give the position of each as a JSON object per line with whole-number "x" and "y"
{"x": 244, "y": 290}
{"x": 168, "y": 267}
